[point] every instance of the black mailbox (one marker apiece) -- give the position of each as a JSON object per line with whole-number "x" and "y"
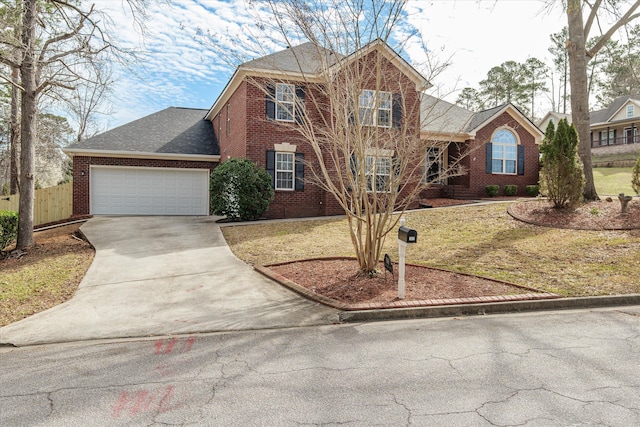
{"x": 407, "y": 235}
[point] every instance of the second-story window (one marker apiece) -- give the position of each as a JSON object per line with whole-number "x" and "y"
{"x": 374, "y": 108}
{"x": 285, "y": 102}
{"x": 629, "y": 111}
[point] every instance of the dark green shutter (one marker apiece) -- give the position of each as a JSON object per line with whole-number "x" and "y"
{"x": 396, "y": 112}
{"x": 271, "y": 166}
{"x": 270, "y": 102}
{"x": 489, "y": 150}
{"x": 520, "y": 159}
{"x": 299, "y": 110}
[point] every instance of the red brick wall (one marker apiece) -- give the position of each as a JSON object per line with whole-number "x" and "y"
{"x": 478, "y": 178}
{"x": 81, "y": 164}
{"x": 263, "y": 134}
{"x": 232, "y": 139}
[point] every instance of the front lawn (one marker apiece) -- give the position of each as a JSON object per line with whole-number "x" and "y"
{"x": 481, "y": 240}
{"x": 613, "y": 181}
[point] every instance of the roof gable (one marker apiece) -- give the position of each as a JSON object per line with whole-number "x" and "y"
{"x": 307, "y": 62}
{"x": 180, "y": 131}
{"x": 483, "y": 118}
{"x": 608, "y": 114}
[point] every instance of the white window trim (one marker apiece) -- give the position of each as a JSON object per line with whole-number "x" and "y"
{"x": 503, "y": 158}
{"x": 375, "y": 109}
{"x": 630, "y": 111}
{"x": 287, "y": 106}
{"x": 286, "y": 171}
{"x": 374, "y": 173}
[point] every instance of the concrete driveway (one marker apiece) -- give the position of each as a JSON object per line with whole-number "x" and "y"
{"x": 163, "y": 276}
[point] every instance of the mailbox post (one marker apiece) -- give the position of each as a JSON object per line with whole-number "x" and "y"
{"x": 406, "y": 236}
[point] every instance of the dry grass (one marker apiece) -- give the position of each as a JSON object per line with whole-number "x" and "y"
{"x": 481, "y": 240}
{"x": 45, "y": 276}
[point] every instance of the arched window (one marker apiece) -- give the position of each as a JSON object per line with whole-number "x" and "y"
{"x": 504, "y": 153}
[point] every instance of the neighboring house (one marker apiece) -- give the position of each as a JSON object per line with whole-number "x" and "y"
{"x": 617, "y": 124}
{"x": 253, "y": 118}
{"x": 555, "y": 117}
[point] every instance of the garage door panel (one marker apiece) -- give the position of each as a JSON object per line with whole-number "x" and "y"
{"x": 149, "y": 191}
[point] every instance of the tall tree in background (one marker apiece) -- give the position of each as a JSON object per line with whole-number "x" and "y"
{"x": 621, "y": 69}
{"x": 579, "y": 57}
{"x": 560, "y": 57}
{"x": 470, "y": 99}
{"x": 535, "y": 73}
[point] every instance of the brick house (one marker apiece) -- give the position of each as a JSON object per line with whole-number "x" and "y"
{"x": 256, "y": 116}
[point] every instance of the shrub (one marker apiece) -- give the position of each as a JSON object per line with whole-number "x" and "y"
{"x": 240, "y": 190}
{"x": 8, "y": 228}
{"x": 510, "y": 190}
{"x": 561, "y": 177}
{"x": 635, "y": 177}
{"x": 532, "y": 190}
{"x": 492, "y": 190}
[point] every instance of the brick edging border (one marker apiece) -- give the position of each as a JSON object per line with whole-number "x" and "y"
{"x": 305, "y": 292}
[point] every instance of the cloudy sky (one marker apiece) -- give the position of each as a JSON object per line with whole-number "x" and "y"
{"x": 177, "y": 69}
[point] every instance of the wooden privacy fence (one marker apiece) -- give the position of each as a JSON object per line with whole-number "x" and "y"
{"x": 50, "y": 205}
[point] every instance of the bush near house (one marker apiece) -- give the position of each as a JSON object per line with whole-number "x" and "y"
{"x": 8, "y": 228}
{"x": 532, "y": 190}
{"x": 240, "y": 190}
{"x": 510, "y": 190}
{"x": 492, "y": 190}
{"x": 561, "y": 178}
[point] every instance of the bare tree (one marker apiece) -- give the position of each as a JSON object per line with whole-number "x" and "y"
{"x": 360, "y": 111}
{"x": 53, "y": 41}
{"x": 579, "y": 56}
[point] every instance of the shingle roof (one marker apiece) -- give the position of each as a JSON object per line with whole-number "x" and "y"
{"x": 441, "y": 116}
{"x": 602, "y": 116}
{"x": 306, "y": 58}
{"x": 482, "y": 116}
{"x": 170, "y": 131}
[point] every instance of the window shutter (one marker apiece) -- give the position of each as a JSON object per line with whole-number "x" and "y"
{"x": 271, "y": 166}
{"x": 396, "y": 112}
{"x": 489, "y": 149}
{"x": 395, "y": 164}
{"x": 299, "y": 186}
{"x": 520, "y": 159}
{"x": 299, "y": 109}
{"x": 270, "y": 102}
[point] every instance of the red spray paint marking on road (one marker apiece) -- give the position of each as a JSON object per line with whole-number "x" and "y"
{"x": 162, "y": 349}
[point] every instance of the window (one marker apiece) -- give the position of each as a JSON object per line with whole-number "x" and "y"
{"x": 629, "y": 111}
{"x": 375, "y": 110}
{"x": 504, "y": 152}
{"x": 286, "y": 167}
{"x": 607, "y": 137}
{"x": 378, "y": 172}
{"x": 284, "y": 171}
{"x": 433, "y": 169}
{"x": 286, "y": 101}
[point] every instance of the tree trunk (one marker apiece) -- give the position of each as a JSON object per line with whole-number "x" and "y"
{"x": 14, "y": 187}
{"x": 576, "y": 47}
{"x": 28, "y": 73}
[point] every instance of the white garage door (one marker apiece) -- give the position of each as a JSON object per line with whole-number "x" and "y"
{"x": 149, "y": 191}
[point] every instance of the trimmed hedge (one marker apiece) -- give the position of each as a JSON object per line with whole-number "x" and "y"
{"x": 492, "y": 190}
{"x": 532, "y": 190}
{"x": 510, "y": 190}
{"x": 8, "y": 228}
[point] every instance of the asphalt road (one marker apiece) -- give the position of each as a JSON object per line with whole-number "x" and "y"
{"x": 536, "y": 369}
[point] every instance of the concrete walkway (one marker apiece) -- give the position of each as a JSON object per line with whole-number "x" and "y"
{"x": 162, "y": 276}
